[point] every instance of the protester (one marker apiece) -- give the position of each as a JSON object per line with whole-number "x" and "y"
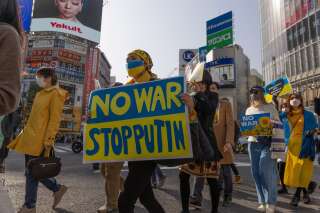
{"x": 263, "y": 167}
{"x": 299, "y": 126}
{"x": 38, "y": 136}
{"x": 223, "y": 125}
{"x": 158, "y": 178}
{"x": 284, "y": 108}
{"x": 9, "y": 124}
{"x": 113, "y": 181}
{"x": 11, "y": 42}
{"x": 203, "y": 104}
{"x": 138, "y": 182}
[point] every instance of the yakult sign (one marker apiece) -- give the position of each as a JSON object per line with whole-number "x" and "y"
{"x": 77, "y": 17}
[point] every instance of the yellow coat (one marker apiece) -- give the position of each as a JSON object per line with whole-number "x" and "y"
{"x": 43, "y": 123}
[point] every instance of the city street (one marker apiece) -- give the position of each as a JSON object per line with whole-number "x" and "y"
{"x": 86, "y": 194}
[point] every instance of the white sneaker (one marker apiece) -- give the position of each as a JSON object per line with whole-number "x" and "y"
{"x": 262, "y": 208}
{"x": 270, "y": 208}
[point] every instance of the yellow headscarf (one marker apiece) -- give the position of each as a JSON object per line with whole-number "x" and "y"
{"x": 145, "y": 75}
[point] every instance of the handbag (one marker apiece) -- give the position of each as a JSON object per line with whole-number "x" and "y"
{"x": 45, "y": 167}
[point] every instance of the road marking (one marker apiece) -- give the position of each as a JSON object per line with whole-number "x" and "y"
{"x": 65, "y": 148}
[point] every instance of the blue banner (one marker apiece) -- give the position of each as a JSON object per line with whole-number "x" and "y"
{"x": 25, "y": 12}
{"x": 138, "y": 101}
{"x": 219, "y": 23}
{"x": 220, "y": 62}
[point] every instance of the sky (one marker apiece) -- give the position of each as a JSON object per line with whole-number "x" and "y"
{"x": 162, "y": 27}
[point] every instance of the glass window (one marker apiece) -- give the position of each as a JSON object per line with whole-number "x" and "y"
{"x": 298, "y": 65}
{"x": 318, "y": 23}
{"x": 300, "y": 33}
{"x": 309, "y": 58}
{"x": 313, "y": 27}
{"x": 304, "y": 65}
{"x": 316, "y": 55}
{"x": 295, "y": 36}
{"x": 306, "y": 30}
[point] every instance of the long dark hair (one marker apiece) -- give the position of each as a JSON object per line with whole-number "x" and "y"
{"x": 9, "y": 13}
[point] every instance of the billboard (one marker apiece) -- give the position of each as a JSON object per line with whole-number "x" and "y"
{"x": 222, "y": 71}
{"x": 25, "y": 13}
{"x": 220, "y": 31}
{"x": 81, "y": 18}
{"x": 203, "y": 54}
{"x": 185, "y": 56}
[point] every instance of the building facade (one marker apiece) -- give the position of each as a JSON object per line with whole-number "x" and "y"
{"x": 236, "y": 74}
{"x": 290, "y": 33}
{"x": 73, "y": 62}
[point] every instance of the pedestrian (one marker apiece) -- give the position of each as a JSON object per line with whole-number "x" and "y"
{"x": 158, "y": 179}
{"x": 202, "y": 106}
{"x": 38, "y": 136}
{"x": 300, "y": 126}
{"x": 113, "y": 181}
{"x": 8, "y": 126}
{"x": 11, "y": 42}
{"x": 138, "y": 182}
{"x": 284, "y": 108}
{"x": 263, "y": 167}
{"x": 237, "y": 177}
{"x": 223, "y": 125}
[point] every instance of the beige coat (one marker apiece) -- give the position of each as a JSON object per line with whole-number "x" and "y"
{"x": 223, "y": 125}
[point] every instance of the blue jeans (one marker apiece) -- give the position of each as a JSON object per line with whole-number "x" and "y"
{"x": 32, "y": 186}
{"x": 264, "y": 172}
{"x": 198, "y": 186}
{"x": 157, "y": 175}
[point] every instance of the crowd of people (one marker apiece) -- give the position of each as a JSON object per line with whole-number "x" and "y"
{"x": 205, "y": 107}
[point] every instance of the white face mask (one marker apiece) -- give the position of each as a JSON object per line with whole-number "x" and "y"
{"x": 40, "y": 82}
{"x": 295, "y": 102}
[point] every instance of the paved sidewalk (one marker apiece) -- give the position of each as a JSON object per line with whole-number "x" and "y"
{"x": 5, "y": 202}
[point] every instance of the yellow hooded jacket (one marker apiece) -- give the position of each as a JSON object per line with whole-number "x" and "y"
{"x": 43, "y": 123}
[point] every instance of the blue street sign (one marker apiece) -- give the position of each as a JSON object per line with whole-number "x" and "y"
{"x": 220, "y": 62}
{"x": 203, "y": 54}
{"x": 219, "y": 23}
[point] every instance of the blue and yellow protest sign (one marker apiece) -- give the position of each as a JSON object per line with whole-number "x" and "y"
{"x": 279, "y": 88}
{"x": 138, "y": 122}
{"x": 256, "y": 125}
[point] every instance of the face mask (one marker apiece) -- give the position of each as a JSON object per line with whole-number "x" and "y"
{"x": 295, "y": 102}
{"x": 40, "y": 82}
{"x": 137, "y": 71}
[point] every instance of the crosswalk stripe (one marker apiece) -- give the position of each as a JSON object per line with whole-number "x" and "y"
{"x": 59, "y": 150}
{"x": 64, "y": 148}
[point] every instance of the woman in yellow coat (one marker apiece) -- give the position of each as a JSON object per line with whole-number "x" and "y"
{"x": 39, "y": 134}
{"x": 299, "y": 126}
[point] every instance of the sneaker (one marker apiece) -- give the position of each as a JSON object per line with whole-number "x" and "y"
{"x": 262, "y": 208}
{"x": 295, "y": 201}
{"x": 312, "y": 187}
{"x": 195, "y": 203}
{"x": 306, "y": 199}
{"x": 270, "y": 208}
{"x": 162, "y": 181}
{"x": 58, "y": 195}
{"x": 24, "y": 209}
{"x": 237, "y": 179}
{"x": 283, "y": 191}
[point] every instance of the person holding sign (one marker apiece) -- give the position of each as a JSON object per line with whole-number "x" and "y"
{"x": 300, "y": 126}
{"x": 202, "y": 107}
{"x": 138, "y": 182}
{"x": 263, "y": 167}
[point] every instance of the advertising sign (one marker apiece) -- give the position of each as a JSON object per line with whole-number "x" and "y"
{"x": 279, "y": 88}
{"x": 203, "y": 54}
{"x": 77, "y": 17}
{"x": 222, "y": 71}
{"x": 25, "y": 12}
{"x": 138, "y": 122}
{"x": 88, "y": 81}
{"x": 185, "y": 56}
{"x": 220, "y": 31}
{"x": 256, "y": 125}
